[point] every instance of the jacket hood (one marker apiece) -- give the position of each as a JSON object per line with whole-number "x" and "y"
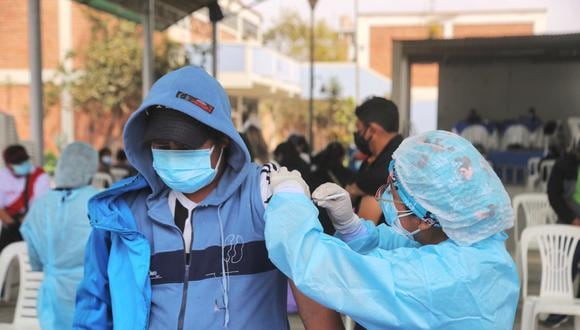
{"x": 195, "y": 93}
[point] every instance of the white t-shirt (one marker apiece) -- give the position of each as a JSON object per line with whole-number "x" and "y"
{"x": 189, "y": 205}
{"x": 11, "y": 187}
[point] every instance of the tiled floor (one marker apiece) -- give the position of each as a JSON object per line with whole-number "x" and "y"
{"x": 6, "y": 310}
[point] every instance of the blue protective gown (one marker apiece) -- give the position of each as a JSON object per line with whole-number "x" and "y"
{"x": 384, "y": 281}
{"x": 56, "y": 230}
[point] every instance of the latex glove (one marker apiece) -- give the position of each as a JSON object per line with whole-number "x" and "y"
{"x": 337, "y": 203}
{"x": 286, "y": 181}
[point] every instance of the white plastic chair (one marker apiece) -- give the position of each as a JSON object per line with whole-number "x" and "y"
{"x": 545, "y": 171}
{"x": 8, "y": 271}
{"x": 517, "y": 134}
{"x": 557, "y": 245}
{"x": 25, "y": 316}
{"x": 536, "y": 210}
{"x": 118, "y": 173}
{"x": 476, "y": 134}
{"x": 102, "y": 180}
{"x": 533, "y": 174}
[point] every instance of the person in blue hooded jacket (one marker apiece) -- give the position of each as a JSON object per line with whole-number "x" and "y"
{"x": 56, "y": 230}
{"x": 440, "y": 263}
{"x": 181, "y": 245}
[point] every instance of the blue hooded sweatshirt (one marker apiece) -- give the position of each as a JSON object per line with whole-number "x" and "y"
{"x": 136, "y": 272}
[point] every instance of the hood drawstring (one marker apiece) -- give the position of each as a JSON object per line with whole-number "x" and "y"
{"x": 225, "y": 275}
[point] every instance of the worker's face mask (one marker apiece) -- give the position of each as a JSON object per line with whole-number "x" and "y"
{"x": 186, "y": 171}
{"x": 392, "y": 215}
{"x": 107, "y": 160}
{"x": 361, "y": 143}
{"x": 22, "y": 169}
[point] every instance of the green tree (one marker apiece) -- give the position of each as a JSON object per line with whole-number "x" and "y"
{"x": 334, "y": 116}
{"x": 291, "y": 36}
{"x": 108, "y": 82}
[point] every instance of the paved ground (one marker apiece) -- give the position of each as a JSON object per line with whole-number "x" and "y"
{"x": 7, "y": 310}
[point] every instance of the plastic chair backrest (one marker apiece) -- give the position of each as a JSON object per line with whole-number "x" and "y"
{"x": 516, "y": 134}
{"x": 102, "y": 180}
{"x": 574, "y": 128}
{"x": 476, "y": 134}
{"x": 6, "y": 257}
{"x": 534, "y": 165}
{"x": 25, "y": 313}
{"x": 557, "y": 244}
{"x": 533, "y": 172}
{"x": 119, "y": 173}
{"x": 545, "y": 171}
{"x": 537, "y": 211}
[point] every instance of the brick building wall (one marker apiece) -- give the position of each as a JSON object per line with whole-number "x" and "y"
{"x": 495, "y": 30}
{"x": 15, "y": 97}
{"x": 426, "y": 75}
{"x": 381, "y": 52}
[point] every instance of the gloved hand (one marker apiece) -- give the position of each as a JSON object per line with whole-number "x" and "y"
{"x": 337, "y": 203}
{"x": 285, "y": 181}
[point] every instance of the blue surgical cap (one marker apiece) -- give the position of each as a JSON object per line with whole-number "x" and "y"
{"x": 448, "y": 177}
{"x": 76, "y": 166}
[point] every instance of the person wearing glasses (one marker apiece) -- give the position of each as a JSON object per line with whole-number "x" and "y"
{"x": 440, "y": 262}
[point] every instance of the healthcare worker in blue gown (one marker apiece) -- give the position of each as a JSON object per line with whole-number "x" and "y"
{"x": 440, "y": 263}
{"x": 56, "y": 230}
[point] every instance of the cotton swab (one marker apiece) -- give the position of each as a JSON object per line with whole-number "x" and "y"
{"x": 331, "y": 197}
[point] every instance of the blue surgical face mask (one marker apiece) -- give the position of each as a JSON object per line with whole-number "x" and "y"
{"x": 22, "y": 169}
{"x": 107, "y": 160}
{"x": 186, "y": 171}
{"x": 393, "y": 216}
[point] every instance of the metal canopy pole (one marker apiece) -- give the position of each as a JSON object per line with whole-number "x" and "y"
{"x": 148, "y": 28}
{"x": 35, "y": 58}
{"x": 311, "y": 99}
{"x": 215, "y": 15}
{"x": 356, "y": 61}
{"x": 214, "y": 58}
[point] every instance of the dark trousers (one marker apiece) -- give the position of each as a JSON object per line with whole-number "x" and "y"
{"x": 9, "y": 235}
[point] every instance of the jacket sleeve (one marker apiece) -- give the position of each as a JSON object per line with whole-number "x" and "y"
{"x": 556, "y": 193}
{"x": 93, "y": 302}
{"x": 30, "y": 231}
{"x": 378, "y": 237}
{"x": 327, "y": 270}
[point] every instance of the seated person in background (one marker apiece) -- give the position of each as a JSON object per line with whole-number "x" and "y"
{"x": 473, "y": 117}
{"x": 103, "y": 179}
{"x": 330, "y": 168}
{"x": 122, "y": 169}
{"x": 56, "y": 230}
{"x": 442, "y": 262}
{"x": 564, "y": 196}
{"x": 21, "y": 183}
{"x": 300, "y": 143}
{"x": 288, "y": 156}
{"x": 252, "y": 135}
{"x": 376, "y": 135}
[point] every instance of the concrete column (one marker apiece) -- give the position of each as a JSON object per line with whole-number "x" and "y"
{"x": 35, "y": 65}
{"x": 148, "y": 56}
{"x": 67, "y": 125}
{"x": 401, "y": 92}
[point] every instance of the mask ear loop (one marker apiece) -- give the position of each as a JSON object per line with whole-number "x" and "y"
{"x": 217, "y": 165}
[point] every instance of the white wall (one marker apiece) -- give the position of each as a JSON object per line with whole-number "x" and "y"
{"x": 562, "y": 16}
{"x": 506, "y": 90}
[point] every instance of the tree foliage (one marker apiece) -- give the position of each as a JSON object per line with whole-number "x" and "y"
{"x": 291, "y": 36}
{"x": 107, "y": 82}
{"x": 334, "y": 117}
